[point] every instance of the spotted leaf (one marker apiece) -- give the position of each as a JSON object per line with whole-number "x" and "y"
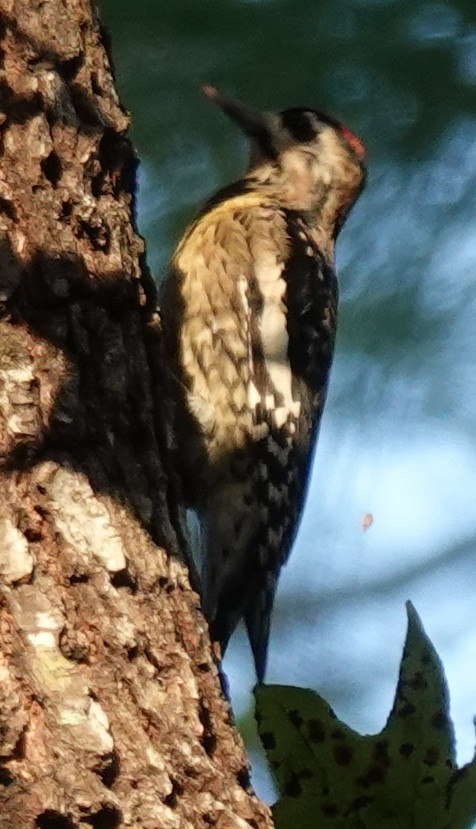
{"x": 328, "y": 775}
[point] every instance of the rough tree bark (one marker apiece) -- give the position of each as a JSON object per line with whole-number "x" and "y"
{"x": 111, "y": 713}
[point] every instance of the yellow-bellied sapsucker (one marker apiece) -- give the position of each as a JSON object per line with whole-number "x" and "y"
{"x": 249, "y": 309}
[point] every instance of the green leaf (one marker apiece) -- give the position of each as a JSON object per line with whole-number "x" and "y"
{"x": 328, "y": 775}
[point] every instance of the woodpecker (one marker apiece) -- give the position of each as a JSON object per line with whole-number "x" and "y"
{"x": 249, "y": 307}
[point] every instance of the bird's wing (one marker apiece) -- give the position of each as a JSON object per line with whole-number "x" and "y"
{"x": 295, "y": 385}
{"x": 252, "y": 303}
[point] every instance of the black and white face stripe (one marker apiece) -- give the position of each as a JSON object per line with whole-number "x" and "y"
{"x": 304, "y": 125}
{"x": 301, "y": 124}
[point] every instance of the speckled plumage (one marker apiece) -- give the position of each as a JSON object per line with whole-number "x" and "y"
{"x": 249, "y": 307}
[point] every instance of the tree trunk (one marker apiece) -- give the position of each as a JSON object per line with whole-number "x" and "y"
{"x": 111, "y": 713}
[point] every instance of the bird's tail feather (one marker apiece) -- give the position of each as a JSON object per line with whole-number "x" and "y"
{"x": 258, "y": 623}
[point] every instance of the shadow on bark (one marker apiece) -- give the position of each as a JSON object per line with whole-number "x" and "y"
{"x": 102, "y": 421}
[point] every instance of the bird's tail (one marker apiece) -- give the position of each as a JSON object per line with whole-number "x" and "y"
{"x": 229, "y": 611}
{"x": 258, "y": 622}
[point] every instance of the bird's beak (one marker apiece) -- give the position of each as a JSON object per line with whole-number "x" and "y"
{"x": 255, "y": 124}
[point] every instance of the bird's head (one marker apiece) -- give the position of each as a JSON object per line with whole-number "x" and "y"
{"x": 305, "y": 159}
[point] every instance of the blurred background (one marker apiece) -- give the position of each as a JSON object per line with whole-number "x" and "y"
{"x": 398, "y": 434}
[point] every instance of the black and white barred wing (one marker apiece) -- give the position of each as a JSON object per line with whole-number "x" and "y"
{"x": 292, "y": 358}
